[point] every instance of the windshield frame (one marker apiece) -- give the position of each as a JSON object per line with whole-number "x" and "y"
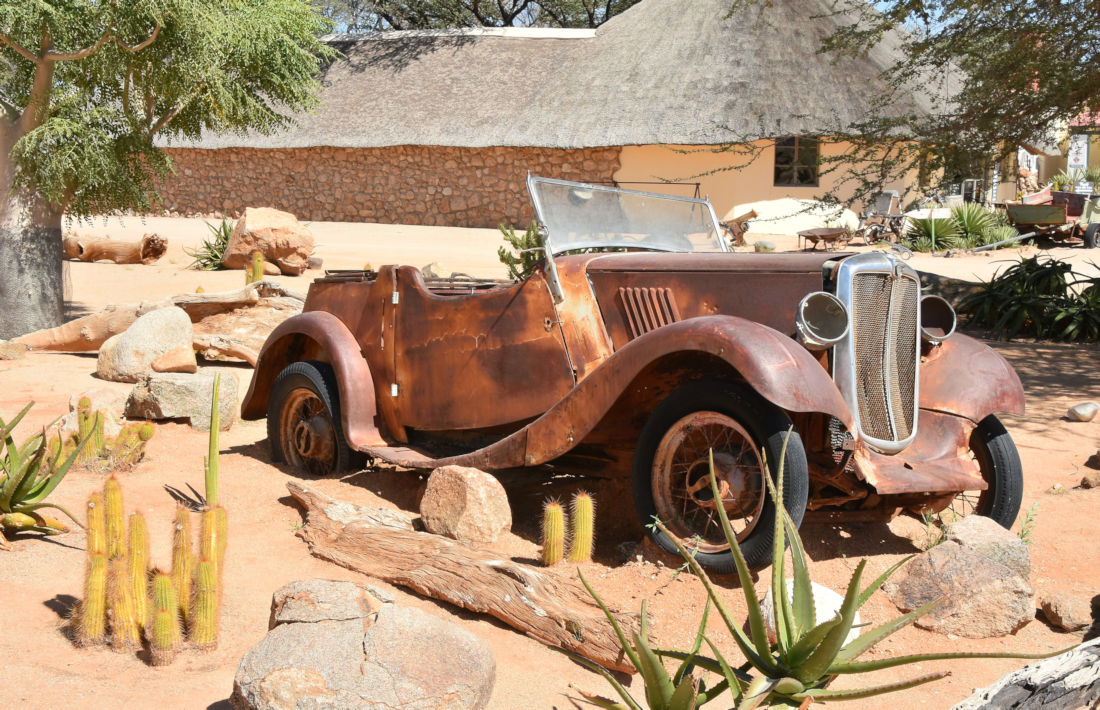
{"x": 551, "y": 251}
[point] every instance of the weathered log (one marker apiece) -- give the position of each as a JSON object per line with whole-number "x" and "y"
{"x": 148, "y": 250}
{"x": 552, "y": 609}
{"x": 223, "y": 345}
{"x": 1065, "y": 682}
{"x": 89, "y": 332}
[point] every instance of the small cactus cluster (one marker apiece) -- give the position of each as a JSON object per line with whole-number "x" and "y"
{"x": 124, "y": 599}
{"x": 582, "y": 523}
{"x": 107, "y": 453}
{"x": 255, "y": 270}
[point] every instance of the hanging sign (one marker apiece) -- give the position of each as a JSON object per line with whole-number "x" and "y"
{"x": 1078, "y": 156}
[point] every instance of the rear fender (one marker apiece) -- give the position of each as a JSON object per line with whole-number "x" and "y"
{"x": 967, "y": 378}
{"x": 318, "y": 335}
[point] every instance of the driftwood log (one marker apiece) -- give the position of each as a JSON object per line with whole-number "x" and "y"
{"x": 1065, "y": 682}
{"x": 148, "y": 250}
{"x": 231, "y": 323}
{"x": 380, "y": 543}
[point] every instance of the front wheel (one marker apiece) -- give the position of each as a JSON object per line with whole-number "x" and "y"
{"x": 746, "y": 434}
{"x": 303, "y": 420}
{"x": 1000, "y": 465}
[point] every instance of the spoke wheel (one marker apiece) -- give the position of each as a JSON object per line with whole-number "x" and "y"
{"x": 303, "y": 420}
{"x": 681, "y": 481}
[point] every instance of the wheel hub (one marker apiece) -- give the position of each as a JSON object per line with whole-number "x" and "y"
{"x": 313, "y": 437}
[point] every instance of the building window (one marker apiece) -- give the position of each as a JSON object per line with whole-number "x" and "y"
{"x": 796, "y": 162}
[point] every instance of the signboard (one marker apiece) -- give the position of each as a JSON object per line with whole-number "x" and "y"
{"x": 1082, "y": 187}
{"x": 1078, "y": 156}
{"x": 1027, "y": 161}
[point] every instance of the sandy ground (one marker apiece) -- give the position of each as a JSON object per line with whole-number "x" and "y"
{"x": 41, "y": 578}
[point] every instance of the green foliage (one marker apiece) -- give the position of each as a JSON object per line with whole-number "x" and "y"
{"x": 1093, "y": 175}
{"x": 940, "y": 232}
{"x": 121, "y": 72}
{"x": 27, "y": 476}
{"x": 1027, "y": 526}
{"x": 971, "y": 219}
{"x": 523, "y": 254}
{"x": 208, "y": 256}
{"x": 1065, "y": 180}
{"x": 808, "y": 652}
{"x": 374, "y": 15}
{"x": 1040, "y": 297}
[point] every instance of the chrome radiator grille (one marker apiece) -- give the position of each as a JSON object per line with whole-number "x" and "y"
{"x": 877, "y": 368}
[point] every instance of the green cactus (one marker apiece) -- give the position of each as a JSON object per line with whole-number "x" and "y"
{"x": 139, "y": 567}
{"x": 582, "y": 520}
{"x": 91, "y": 618}
{"x": 163, "y": 628}
{"x": 255, "y": 270}
{"x": 209, "y": 537}
{"x": 223, "y": 538}
{"x": 183, "y": 560}
{"x": 125, "y": 631}
{"x": 87, "y": 421}
{"x": 204, "y": 607}
{"x": 145, "y": 431}
{"x": 116, "y": 530}
{"x": 97, "y": 526}
{"x": 553, "y": 533}
{"x": 213, "y": 447}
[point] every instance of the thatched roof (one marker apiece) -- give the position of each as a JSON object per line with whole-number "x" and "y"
{"x": 665, "y": 71}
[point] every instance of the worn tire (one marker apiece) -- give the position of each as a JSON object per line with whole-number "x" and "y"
{"x": 1092, "y": 235}
{"x": 1001, "y": 468}
{"x": 298, "y": 381}
{"x": 768, "y": 427}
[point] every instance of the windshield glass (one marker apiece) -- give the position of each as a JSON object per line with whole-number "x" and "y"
{"x": 579, "y": 216}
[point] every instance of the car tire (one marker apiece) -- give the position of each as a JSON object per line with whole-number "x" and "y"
{"x": 744, "y": 430}
{"x": 303, "y": 420}
{"x": 1092, "y": 235}
{"x": 1000, "y": 465}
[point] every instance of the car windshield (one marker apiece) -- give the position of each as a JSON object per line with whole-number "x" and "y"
{"x": 580, "y": 216}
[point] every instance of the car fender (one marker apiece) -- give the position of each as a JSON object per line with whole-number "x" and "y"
{"x": 967, "y": 378}
{"x": 319, "y": 335}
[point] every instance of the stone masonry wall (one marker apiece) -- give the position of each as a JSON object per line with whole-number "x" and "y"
{"x": 462, "y": 187}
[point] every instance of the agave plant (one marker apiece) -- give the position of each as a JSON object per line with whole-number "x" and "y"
{"x": 971, "y": 219}
{"x": 27, "y": 477}
{"x": 941, "y": 231}
{"x": 208, "y": 255}
{"x": 808, "y": 654}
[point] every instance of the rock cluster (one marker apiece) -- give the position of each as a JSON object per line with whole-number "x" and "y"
{"x": 285, "y": 242}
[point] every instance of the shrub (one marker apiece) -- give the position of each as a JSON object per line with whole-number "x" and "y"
{"x": 941, "y": 233}
{"x": 523, "y": 253}
{"x": 209, "y": 255}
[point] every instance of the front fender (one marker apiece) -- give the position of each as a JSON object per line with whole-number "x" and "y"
{"x": 318, "y": 335}
{"x": 967, "y": 378}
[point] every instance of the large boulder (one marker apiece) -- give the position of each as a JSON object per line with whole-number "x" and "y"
{"x": 979, "y": 573}
{"x": 339, "y": 645}
{"x": 278, "y": 235}
{"x": 184, "y": 396}
{"x": 465, "y": 504}
{"x": 128, "y": 356}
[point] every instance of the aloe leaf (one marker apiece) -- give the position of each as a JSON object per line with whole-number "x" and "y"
{"x": 872, "y": 637}
{"x": 704, "y": 662}
{"x": 10, "y": 426}
{"x": 757, "y": 632}
{"x": 781, "y": 607}
{"x": 857, "y": 693}
{"x": 737, "y": 682}
{"x": 803, "y": 603}
{"x": 757, "y": 692}
{"x": 746, "y": 646}
{"x": 630, "y": 702}
{"x": 658, "y": 683}
{"x": 881, "y": 579}
{"x": 58, "y": 473}
{"x": 55, "y": 506}
{"x": 826, "y": 652}
{"x": 27, "y": 474}
{"x": 685, "y": 695}
{"x": 627, "y": 649}
{"x": 809, "y": 641}
{"x": 867, "y": 666}
{"x": 687, "y": 662}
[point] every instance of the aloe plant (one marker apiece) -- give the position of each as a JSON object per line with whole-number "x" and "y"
{"x": 971, "y": 219}
{"x": 28, "y": 475}
{"x": 941, "y": 231}
{"x": 807, "y": 655}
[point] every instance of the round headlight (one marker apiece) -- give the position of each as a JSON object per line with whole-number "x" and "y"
{"x": 937, "y": 319}
{"x": 821, "y": 320}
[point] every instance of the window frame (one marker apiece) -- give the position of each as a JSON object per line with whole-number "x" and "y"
{"x": 797, "y": 145}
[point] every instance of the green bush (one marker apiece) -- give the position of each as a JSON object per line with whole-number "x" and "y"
{"x": 523, "y": 253}
{"x": 209, "y": 255}
{"x": 940, "y": 232}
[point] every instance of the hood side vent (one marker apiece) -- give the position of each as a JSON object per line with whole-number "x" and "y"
{"x": 647, "y": 309}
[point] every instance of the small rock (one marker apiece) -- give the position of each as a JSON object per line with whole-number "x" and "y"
{"x": 764, "y": 246}
{"x": 1065, "y": 612}
{"x": 1084, "y": 412}
{"x": 130, "y": 354}
{"x": 465, "y": 504}
{"x": 278, "y": 235}
{"x": 12, "y": 351}
{"x": 1094, "y": 460}
{"x": 180, "y": 359}
{"x": 325, "y": 600}
{"x": 271, "y": 269}
{"x": 1092, "y": 480}
{"x": 183, "y": 396}
{"x": 1057, "y": 489}
{"x": 985, "y": 537}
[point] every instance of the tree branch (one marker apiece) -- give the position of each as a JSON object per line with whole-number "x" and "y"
{"x": 23, "y": 51}
{"x": 138, "y": 47}
{"x": 166, "y": 118}
{"x": 52, "y": 56}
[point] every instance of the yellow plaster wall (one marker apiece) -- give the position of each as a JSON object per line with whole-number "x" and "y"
{"x": 728, "y": 177}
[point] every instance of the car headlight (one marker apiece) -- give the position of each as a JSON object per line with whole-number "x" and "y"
{"x": 937, "y": 319}
{"x": 821, "y": 320}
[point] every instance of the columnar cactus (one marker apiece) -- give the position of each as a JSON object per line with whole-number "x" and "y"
{"x": 209, "y": 538}
{"x": 125, "y": 631}
{"x": 139, "y": 567}
{"x": 582, "y": 523}
{"x": 183, "y": 565}
{"x": 204, "y": 607}
{"x": 91, "y": 617}
{"x": 96, "y": 526}
{"x": 553, "y": 533}
{"x": 163, "y": 628}
{"x": 116, "y": 530}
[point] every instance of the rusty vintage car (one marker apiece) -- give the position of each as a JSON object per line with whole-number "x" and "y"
{"x": 640, "y": 342}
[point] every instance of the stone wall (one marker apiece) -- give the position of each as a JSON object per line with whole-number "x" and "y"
{"x": 462, "y": 187}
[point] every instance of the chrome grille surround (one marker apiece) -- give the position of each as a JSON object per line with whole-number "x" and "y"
{"x": 877, "y": 367}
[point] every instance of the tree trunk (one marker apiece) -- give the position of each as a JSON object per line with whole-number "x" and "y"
{"x": 31, "y": 290}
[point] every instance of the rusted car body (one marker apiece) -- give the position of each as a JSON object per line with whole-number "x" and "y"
{"x": 647, "y": 360}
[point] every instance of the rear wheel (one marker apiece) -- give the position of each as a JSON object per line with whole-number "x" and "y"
{"x": 1000, "y": 465}
{"x": 671, "y": 467}
{"x": 303, "y": 420}
{"x": 1092, "y": 235}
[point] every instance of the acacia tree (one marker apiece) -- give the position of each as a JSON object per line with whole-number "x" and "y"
{"x": 993, "y": 75}
{"x": 374, "y": 15}
{"x": 86, "y": 86}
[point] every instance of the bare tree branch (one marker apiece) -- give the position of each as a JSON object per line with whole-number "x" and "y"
{"x": 138, "y": 47}
{"x": 23, "y": 51}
